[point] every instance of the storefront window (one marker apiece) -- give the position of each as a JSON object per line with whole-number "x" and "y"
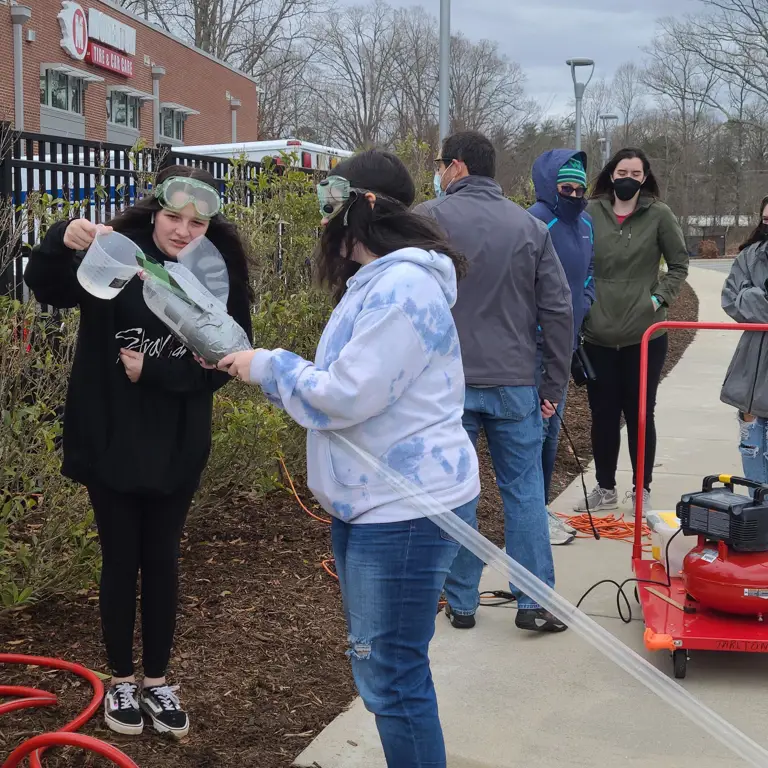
{"x": 172, "y": 123}
{"x": 75, "y": 95}
{"x": 123, "y": 109}
{"x": 61, "y": 91}
{"x": 120, "y": 108}
{"x": 167, "y": 123}
{"x": 133, "y": 112}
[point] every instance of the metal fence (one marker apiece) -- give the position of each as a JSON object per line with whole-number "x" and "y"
{"x": 92, "y": 179}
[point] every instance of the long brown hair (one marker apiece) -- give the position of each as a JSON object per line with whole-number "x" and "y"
{"x": 603, "y": 186}
{"x": 221, "y": 232}
{"x": 384, "y": 228}
{"x": 760, "y": 232}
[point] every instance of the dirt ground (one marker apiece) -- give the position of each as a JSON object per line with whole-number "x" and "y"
{"x": 261, "y": 638}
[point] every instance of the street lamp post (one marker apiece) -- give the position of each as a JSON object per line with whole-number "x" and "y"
{"x": 445, "y": 68}
{"x": 578, "y": 90}
{"x": 607, "y": 152}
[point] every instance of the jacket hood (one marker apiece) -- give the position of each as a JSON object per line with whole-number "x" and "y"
{"x": 437, "y": 264}
{"x": 545, "y": 170}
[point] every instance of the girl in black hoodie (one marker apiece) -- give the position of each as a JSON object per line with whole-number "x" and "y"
{"x": 137, "y": 427}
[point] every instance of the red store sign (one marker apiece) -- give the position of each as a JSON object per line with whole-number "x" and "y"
{"x": 106, "y": 58}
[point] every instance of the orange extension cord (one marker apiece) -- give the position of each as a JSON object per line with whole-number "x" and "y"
{"x": 325, "y": 563}
{"x": 608, "y": 526}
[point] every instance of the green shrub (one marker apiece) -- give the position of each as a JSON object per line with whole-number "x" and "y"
{"x": 46, "y": 542}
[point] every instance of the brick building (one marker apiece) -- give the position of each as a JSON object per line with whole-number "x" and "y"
{"x": 91, "y": 70}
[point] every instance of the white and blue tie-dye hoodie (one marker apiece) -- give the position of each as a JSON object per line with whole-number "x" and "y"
{"x": 388, "y": 376}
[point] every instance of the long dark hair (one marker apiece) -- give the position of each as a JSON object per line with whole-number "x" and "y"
{"x": 603, "y": 186}
{"x": 760, "y": 232}
{"x": 221, "y": 232}
{"x": 386, "y": 227}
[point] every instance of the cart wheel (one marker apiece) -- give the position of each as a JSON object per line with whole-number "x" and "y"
{"x": 637, "y": 596}
{"x": 680, "y": 662}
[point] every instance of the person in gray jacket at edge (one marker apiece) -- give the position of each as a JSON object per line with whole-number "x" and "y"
{"x": 745, "y": 299}
{"x": 515, "y": 283}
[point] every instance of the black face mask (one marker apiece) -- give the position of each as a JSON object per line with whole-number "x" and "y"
{"x": 570, "y": 207}
{"x": 626, "y": 188}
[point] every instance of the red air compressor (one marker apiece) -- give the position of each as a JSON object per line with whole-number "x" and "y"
{"x": 728, "y": 570}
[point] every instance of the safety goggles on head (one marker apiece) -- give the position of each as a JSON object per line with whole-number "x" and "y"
{"x": 570, "y": 190}
{"x": 177, "y": 193}
{"x": 335, "y": 191}
{"x": 332, "y": 194}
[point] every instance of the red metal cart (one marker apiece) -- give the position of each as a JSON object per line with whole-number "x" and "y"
{"x": 668, "y": 626}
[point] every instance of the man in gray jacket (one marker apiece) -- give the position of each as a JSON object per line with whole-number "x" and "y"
{"x": 515, "y": 283}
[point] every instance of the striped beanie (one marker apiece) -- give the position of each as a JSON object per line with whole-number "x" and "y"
{"x": 573, "y": 173}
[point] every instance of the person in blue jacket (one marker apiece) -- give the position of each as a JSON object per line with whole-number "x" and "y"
{"x": 560, "y": 182}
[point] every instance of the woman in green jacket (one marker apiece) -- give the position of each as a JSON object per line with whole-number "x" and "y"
{"x": 633, "y": 230}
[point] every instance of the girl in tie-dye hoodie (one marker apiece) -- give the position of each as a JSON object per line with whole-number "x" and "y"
{"x": 388, "y": 376}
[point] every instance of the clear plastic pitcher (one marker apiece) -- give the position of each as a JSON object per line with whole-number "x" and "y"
{"x": 109, "y": 265}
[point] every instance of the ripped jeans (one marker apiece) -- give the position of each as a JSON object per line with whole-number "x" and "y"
{"x": 391, "y": 577}
{"x": 753, "y": 447}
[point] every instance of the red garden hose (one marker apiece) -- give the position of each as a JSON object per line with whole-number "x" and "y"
{"x": 65, "y": 736}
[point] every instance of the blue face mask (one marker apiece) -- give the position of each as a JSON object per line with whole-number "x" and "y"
{"x": 570, "y": 208}
{"x": 439, "y": 191}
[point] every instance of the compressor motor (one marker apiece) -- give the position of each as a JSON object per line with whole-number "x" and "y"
{"x": 728, "y": 570}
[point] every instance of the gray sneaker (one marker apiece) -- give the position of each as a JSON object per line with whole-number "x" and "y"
{"x": 600, "y": 500}
{"x": 647, "y": 506}
{"x": 559, "y": 535}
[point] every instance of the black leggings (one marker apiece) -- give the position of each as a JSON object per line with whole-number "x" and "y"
{"x": 139, "y": 533}
{"x": 617, "y": 391}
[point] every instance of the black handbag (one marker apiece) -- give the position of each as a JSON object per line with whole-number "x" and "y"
{"x": 581, "y": 367}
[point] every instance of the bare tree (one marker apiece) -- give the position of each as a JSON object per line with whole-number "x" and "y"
{"x": 628, "y": 95}
{"x": 732, "y": 38}
{"x": 487, "y": 90}
{"x": 244, "y": 33}
{"x": 414, "y": 72}
{"x": 683, "y": 84}
{"x": 285, "y": 93}
{"x": 359, "y": 48}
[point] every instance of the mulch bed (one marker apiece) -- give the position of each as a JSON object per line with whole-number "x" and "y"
{"x": 261, "y": 637}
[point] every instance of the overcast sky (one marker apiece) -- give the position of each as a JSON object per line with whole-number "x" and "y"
{"x": 542, "y": 34}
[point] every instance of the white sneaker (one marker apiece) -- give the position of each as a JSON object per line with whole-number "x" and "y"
{"x": 600, "y": 500}
{"x": 559, "y": 535}
{"x": 647, "y": 506}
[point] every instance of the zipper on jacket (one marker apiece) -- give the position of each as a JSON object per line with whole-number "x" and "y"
{"x": 757, "y": 368}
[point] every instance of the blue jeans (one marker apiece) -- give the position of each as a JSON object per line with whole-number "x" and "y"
{"x": 753, "y": 447}
{"x": 511, "y": 418}
{"x": 391, "y": 577}
{"x": 551, "y": 435}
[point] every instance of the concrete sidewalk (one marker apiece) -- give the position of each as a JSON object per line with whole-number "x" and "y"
{"x": 512, "y": 700}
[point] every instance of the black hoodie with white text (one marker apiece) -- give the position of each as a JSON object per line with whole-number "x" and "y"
{"x": 152, "y": 437}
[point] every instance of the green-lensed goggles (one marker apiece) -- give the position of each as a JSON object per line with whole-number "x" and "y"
{"x": 333, "y": 193}
{"x": 178, "y": 192}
